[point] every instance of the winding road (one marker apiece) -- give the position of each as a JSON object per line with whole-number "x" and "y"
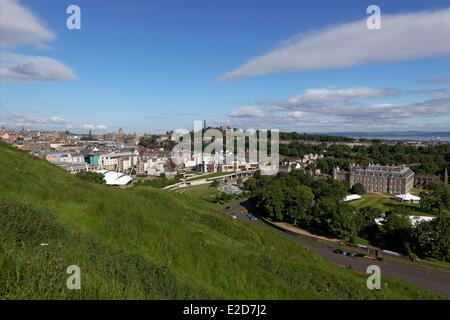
{"x": 425, "y": 275}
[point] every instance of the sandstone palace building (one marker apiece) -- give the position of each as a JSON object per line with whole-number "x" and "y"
{"x": 377, "y": 178}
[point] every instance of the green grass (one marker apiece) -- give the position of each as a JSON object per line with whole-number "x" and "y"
{"x": 438, "y": 262}
{"x": 203, "y": 192}
{"x": 207, "y": 193}
{"x": 386, "y": 202}
{"x": 145, "y": 243}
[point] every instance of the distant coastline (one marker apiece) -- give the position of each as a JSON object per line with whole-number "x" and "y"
{"x": 395, "y": 135}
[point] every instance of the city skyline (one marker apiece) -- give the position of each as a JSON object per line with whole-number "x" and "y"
{"x": 160, "y": 66}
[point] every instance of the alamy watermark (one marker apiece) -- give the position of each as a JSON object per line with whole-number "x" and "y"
{"x": 242, "y": 147}
{"x": 374, "y": 280}
{"x": 374, "y": 21}
{"x": 73, "y": 21}
{"x": 74, "y": 280}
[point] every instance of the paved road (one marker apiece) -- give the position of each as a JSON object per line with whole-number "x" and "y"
{"x": 424, "y": 275}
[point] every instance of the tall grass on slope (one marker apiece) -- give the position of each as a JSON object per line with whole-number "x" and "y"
{"x": 144, "y": 243}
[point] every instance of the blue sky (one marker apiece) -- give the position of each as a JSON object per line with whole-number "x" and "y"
{"x": 160, "y": 65}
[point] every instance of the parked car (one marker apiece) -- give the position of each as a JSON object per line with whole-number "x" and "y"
{"x": 346, "y": 253}
{"x": 234, "y": 216}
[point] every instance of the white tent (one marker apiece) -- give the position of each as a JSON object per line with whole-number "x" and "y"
{"x": 114, "y": 178}
{"x": 351, "y": 197}
{"x": 407, "y": 198}
{"x": 417, "y": 219}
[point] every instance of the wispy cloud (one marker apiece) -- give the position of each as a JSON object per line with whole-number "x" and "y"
{"x": 344, "y": 109}
{"x": 437, "y": 80}
{"x": 23, "y": 68}
{"x": 16, "y": 120}
{"x": 325, "y": 96}
{"x": 94, "y": 126}
{"x": 406, "y": 36}
{"x": 20, "y": 27}
{"x": 248, "y": 112}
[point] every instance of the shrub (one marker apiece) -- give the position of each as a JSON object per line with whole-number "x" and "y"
{"x": 358, "y": 188}
{"x": 90, "y": 176}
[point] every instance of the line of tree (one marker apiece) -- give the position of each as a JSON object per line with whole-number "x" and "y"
{"x": 431, "y": 159}
{"x": 313, "y": 137}
{"x": 298, "y": 199}
{"x": 152, "y": 142}
{"x": 318, "y": 205}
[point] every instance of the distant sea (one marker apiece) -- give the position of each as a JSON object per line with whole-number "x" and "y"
{"x": 400, "y": 135}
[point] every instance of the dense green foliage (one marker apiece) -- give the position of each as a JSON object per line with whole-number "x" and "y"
{"x": 152, "y": 142}
{"x": 436, "y": 197}
{"x": 145, "y": 243}
{"x": 223, "y": 197}
{"x": 432, "y": 159}
{"x": 161, "y": 181}
{"x": 432, "y": 239}
{"x": 358, "y": 188}
{"x": 90, "y": 176}
{"x": 299, "y": 199}
{"x": 296, "y": 149}
{"x": 426, "y": 239}
{"x": 317, "y": 205}
{"x": 313, "y": 137}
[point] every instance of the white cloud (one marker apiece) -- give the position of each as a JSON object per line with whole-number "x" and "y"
{"x": 332, "y": 95}
{"x": 248, "y": 112}
{"x": 296, "y": 114}
{"x": 17, "y": 120}
{"x": 23, "y": 68}
{"x": 18, "y": 26}
{"x": 407, "y": 36}
{"x": 94, "y": 126}
{"x": 345, "y": 109}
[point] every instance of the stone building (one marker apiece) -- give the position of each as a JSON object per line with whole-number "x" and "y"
{"x": 422, "y": 180}
{"x": 377, "y": 178}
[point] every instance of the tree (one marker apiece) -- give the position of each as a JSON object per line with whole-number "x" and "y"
{"x": 334, "y": 189}
{"x": 436, "y": 196}
{"x": 250, "y": 184}
{"x": 432, "y": 239}
{"x": 299, "y": 201}
{"x": 397, "y": 229}
{"x": 239, "y": 181}
{"x": 358, "y": 188}
{"x": 336, "y": 218}
{"x": 148, "y": 142}
{"x": 90, "y": 176}
{"x": 273, "y": 201}
{"x": 368, "y": 216}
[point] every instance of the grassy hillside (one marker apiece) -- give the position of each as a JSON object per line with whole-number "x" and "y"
{"x": 144, "y": 243}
